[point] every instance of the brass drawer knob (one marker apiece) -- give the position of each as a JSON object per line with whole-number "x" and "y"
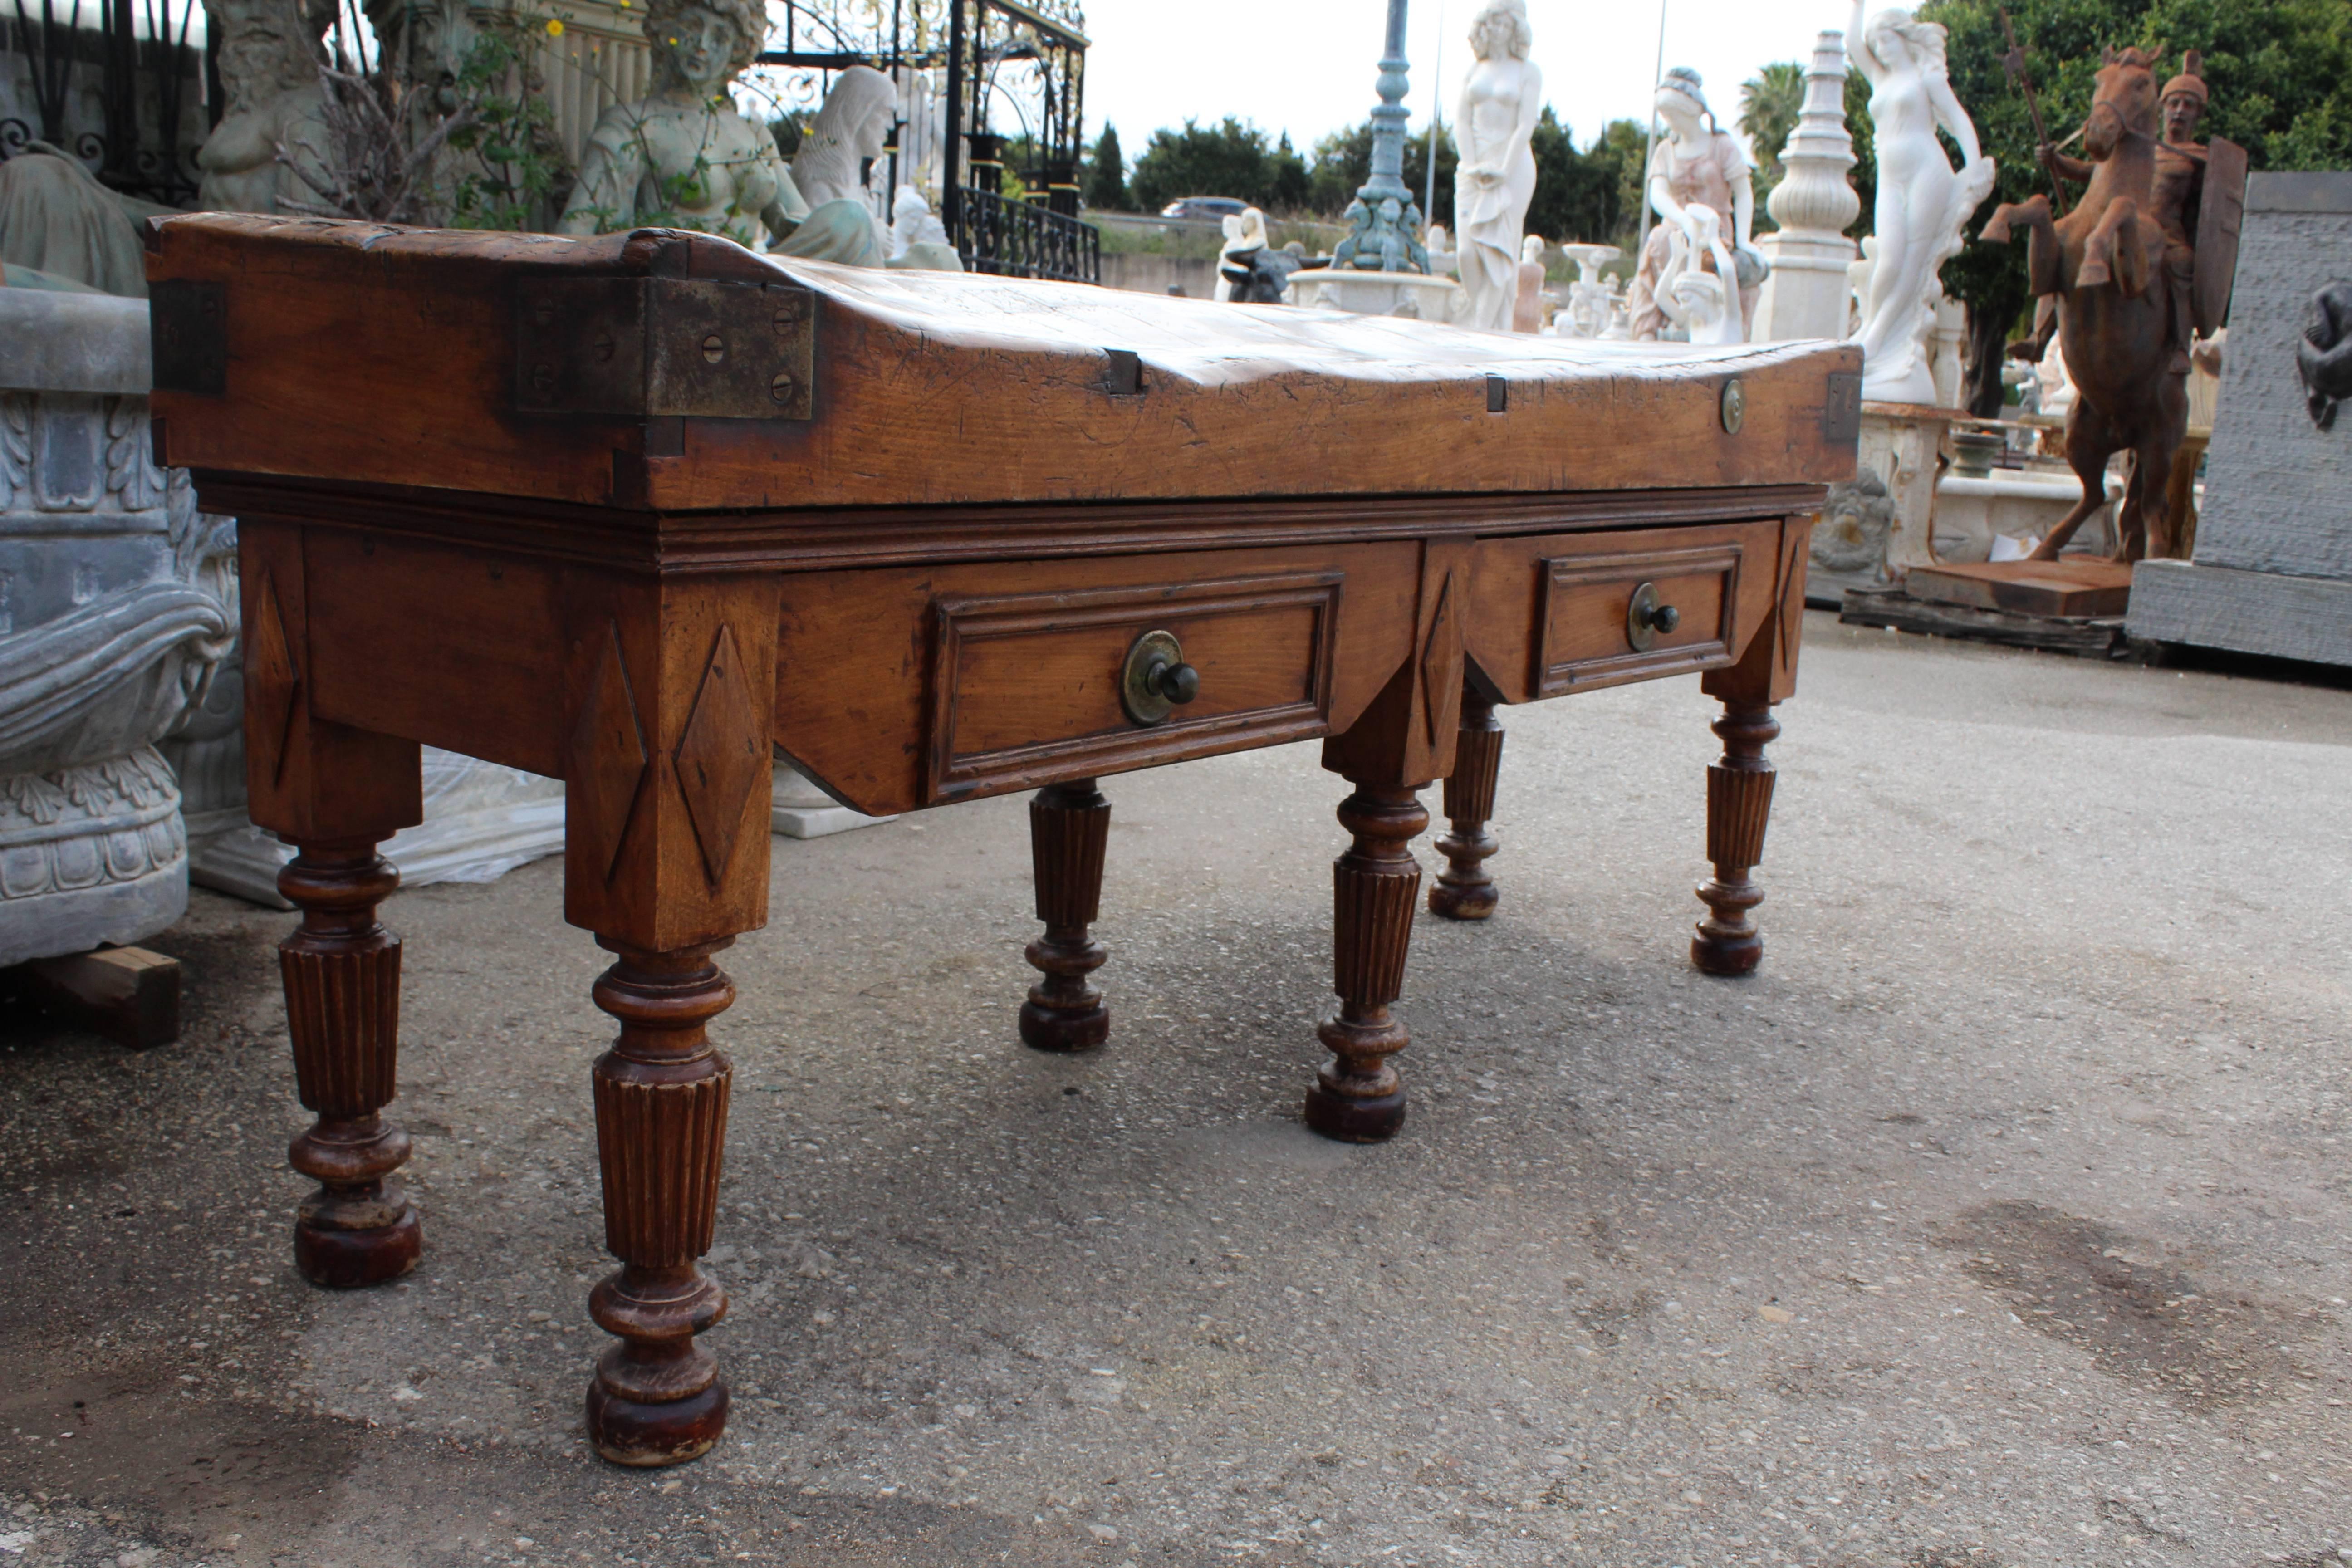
{"x": 1157, "y": 680}
{"x": 1645, "y": 618}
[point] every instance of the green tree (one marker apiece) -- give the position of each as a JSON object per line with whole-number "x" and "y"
{"x": 1229, "y": 159}
{"x": 1769, "y": 102}
{"x": 1104, "y": 179}
{"x": 2279, "y": 72}
{"x": 1580, "y": 196}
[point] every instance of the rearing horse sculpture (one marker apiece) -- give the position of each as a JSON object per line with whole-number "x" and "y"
{"x": 2102, "y": 260}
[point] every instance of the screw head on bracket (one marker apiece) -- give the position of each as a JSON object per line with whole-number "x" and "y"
{"x": 781, "y": 389}
{"x": 714, "y": 348}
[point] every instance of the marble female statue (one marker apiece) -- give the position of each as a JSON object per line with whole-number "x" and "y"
{"x": 1696, "y": 166}
{"x": 272, "y": 124}
{"x": 1502, "y": 100}
{"x": 849, "y": 132}
{"x": 1922, "y": 200}
{"x": 682, "y": 156}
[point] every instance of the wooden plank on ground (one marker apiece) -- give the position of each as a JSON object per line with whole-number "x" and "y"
{"x": 127, "y": 993}
{"x": 2070, "y": 588}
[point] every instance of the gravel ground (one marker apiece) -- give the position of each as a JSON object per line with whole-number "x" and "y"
{"x": 2000, "y": 1220}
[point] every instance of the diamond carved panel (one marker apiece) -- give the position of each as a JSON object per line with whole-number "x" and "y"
{"x": 1437, "y": 661}
{"x": 272, "y": 682}
{"x": 722, "y": 755}
{"x": 608, "y": 757}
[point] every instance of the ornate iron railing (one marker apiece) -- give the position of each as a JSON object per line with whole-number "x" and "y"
{"x": 1024, "y": 239}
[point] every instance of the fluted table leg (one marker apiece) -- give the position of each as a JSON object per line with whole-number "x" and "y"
{"x": 341, "y": 970}
{"x": 1738, "y": 805}
{"x": 1070, "y": 824}
{"x": 661, "y": 1129}
{"x": 1375, "y": 886}
{"x": 1464, "y": 890}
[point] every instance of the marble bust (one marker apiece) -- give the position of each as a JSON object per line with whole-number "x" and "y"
{"x": 682, "y": 157}
{"x": 1697, "y": 167}
{"x": 1502, "y": 99}
{"x": 1923, "y": 202}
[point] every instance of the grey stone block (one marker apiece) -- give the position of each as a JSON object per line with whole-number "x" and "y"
{"x": 2246, "y": 612}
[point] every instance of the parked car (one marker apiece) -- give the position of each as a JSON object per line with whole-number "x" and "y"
{"x": 1204, "y": 206}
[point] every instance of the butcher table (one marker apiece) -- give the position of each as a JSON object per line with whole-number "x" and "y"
{"x": 642, "y": 511}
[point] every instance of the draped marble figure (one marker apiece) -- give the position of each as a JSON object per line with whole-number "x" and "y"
{"x": 1923, "y": 202}
{"x": 1502, "y": 99}
{"x": 1696, "y": 167}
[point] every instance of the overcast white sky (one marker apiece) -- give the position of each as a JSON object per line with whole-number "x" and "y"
{"x": 1307, "y": 66}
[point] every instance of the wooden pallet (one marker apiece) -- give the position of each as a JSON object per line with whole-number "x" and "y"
{"x": 2089, "y": 636}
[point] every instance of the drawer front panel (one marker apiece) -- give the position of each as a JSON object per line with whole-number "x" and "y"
{"x": 1028, "y": 685}
{"x": 1584, "y": 635}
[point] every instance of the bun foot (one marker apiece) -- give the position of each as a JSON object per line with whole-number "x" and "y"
{"x": 648, "y": 1436}
{"x": 1726, "y": 954}
{"x": 1055, "y": 1029}
{"x": 1472, "y": 903}
{"x": 349, "y": 1260}
{"x": 1350, "y": 1120}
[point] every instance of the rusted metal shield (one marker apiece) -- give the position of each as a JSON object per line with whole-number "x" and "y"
{"x": 2221, "y": 212}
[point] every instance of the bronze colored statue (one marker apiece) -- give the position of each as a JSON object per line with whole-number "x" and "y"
{"x": 2142, "y": 263}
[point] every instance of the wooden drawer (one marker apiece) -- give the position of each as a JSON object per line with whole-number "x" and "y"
{"x": 1585, "y": 592}
{"x": 1026, "y": 687}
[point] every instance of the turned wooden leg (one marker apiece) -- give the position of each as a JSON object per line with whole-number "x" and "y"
{"x": 1069, "y": 825}
{"x": 341, "y": 970}
{"x": 661, "y": 1130}
{"x": 1463, "y": 891}
{"x": 1738, "y": 803}
{"x": 1375, "y": 886}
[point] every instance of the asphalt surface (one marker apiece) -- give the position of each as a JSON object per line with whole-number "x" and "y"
{"x": 2000, "y": 1220}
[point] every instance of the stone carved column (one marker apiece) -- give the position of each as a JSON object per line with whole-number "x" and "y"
{"x": 1805, "y": 297}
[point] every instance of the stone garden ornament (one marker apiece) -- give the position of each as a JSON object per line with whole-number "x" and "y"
{"x": 272, "y": 123}
{"x": 2131, "y": 282}
{"x": 1923, "y": 202}
{"x": 2323, "y": 357}
{"x": 1697, "y": 166}
{"x": 1502, "y": 100}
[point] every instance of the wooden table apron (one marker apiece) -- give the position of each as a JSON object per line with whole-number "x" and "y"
{"x": 516, "y": 496}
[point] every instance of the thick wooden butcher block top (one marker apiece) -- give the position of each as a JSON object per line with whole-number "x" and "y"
{"x": 673, "y": 373}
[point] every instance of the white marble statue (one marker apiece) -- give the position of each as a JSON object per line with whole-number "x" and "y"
{"x": 1245, "y": 235}
{"x": 913, "y": 223}
{"x": 1693, "y": 292}
{"x": 1502, "y": 99}
{"x": 1440, "y": 246}
{"x": 1696, "y": 166}
{"x": 1527, "y": 303}
{"x": 849, "y": 132}
{"x": 1923, "y": 202}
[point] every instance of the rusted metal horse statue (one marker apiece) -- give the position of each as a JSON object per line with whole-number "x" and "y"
{"x": 2104, "y": 262}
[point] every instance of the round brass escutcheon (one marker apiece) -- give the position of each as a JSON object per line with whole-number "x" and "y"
{"x": 1156, "y": 680}
{"x": 1735, "y": 406}
{"x": 1645, "y": 618}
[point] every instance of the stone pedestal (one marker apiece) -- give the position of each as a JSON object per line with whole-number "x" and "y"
{"x": 1805, "y": 294}
{"x": 117, "y": 599}
{"x": 2272, "y": 571}
{"x": 1882, "y": 524}
{"x": 799, "y": 809}
{"x": 1410, "y": 294}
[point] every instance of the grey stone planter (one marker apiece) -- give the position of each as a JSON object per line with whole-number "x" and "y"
{"x": 118, "y": 600}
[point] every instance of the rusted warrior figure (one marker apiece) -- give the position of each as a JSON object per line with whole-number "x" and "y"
{"x": 2139, "y": 267}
